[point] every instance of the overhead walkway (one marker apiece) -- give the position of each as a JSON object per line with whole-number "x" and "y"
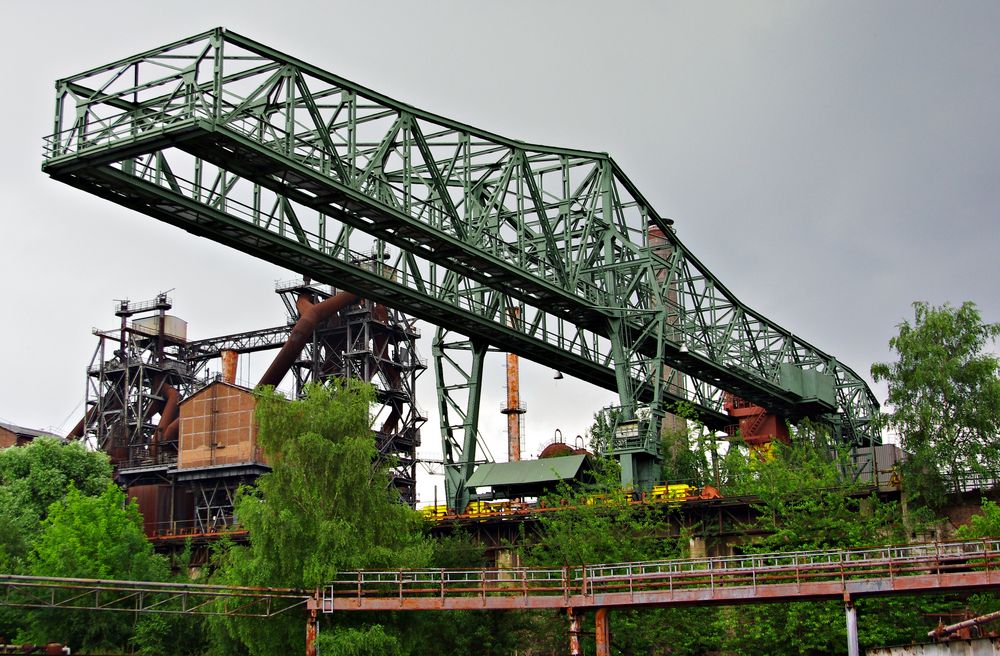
{"x": 843, "y": 575}
{"x": 798, "y": 576}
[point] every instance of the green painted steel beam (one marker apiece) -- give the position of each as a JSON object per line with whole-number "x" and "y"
{"x": 235, "y": 141}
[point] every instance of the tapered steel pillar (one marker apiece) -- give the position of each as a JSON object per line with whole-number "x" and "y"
{"x": 574, "y": 632}
{"x": 603, "y": 632}
{"x": 852, "y": 628}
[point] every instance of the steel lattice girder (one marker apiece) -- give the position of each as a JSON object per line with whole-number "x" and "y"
{"x": 235, "y": 141}
{"x": 148, "y": 597}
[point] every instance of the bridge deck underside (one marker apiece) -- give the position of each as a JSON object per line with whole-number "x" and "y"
{"x": 95, "y": 175}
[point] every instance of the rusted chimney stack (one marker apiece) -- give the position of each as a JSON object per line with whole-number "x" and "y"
{"x": 230, "y": 359}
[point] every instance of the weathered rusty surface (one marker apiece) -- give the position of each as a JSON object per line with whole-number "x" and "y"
{"x": 311, "y": 633}
{"x": 230, "y": 363}
{"x": 514, "y": 410}
{"x": 602, "y": 632}
{"x": 310, "y": 315}
{"x": 501, "y": 600}
{"x": 574, "y": 632}
{"x": 944, "y": 631}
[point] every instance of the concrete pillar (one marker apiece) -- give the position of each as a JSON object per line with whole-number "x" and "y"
{"x": 603, "y": 632}
{"x": 852, "y": 628}
{"x": 574, "y": 632}
{"x": 698, "y": 547}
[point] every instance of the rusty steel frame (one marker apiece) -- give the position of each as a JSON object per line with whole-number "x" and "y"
{"x": 759, "y": 578}
{"x": 148, "y": 596}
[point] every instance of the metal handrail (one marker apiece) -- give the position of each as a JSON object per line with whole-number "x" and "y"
{"x": 752, "y": 570}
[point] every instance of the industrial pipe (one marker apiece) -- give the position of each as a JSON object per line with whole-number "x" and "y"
{"x": 166, "y": 431}
{"x": 945, "y": 631}
{"x": 310, "y": 315}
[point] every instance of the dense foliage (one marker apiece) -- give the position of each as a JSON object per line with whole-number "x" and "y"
{"x": 32, "y": 478}
{"x": 323, "y": 508}
{"x": 944, "y": 391}
{"x": 94, "y": 537}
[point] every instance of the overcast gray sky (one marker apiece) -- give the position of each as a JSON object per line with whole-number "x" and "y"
{"x": 831, "y": 162}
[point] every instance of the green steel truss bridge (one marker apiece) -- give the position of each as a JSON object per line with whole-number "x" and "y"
{"x": 551, "y": 253}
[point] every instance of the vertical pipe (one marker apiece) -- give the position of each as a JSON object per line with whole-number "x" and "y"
{"x": 852, "y": 628}
{"x": 603, "y": 632}
{"x": 513, "y": 409}
{"x": 574, "y": 632}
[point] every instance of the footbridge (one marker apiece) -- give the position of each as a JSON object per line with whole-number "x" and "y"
{"x": 843, "y": 575}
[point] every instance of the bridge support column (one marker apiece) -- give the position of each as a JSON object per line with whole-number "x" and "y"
{"x": 852, "y": 627}
{"x": 574, "y": 632}
{"x": 311, "y": 633}
{"x": 603, "y": 632}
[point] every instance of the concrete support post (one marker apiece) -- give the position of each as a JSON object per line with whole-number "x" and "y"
{"x": 603, "y": 632}
{"x": 574, "y": 632}
{"x": 852, "y": 628}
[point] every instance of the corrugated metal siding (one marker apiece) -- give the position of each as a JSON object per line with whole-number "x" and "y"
{"x": 154, "y": 504}
{"x": 977, "y": 647}
{"x": 218, "y": 428}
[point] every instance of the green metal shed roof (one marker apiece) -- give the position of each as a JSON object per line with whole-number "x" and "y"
{"x": 526, "y": 472}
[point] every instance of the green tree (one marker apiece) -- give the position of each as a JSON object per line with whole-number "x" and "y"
{"x": 944, "y": 392}
{"x": 32, "y": 478}
{"x": 984, "y": 525}
{"x": 807, "y": 499}
{"x": 97, "y": 537}
{"x": 323, "y": 508}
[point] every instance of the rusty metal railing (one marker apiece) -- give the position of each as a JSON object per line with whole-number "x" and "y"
{"x": 747, "y": 575}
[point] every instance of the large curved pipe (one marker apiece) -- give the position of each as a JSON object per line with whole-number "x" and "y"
{"x": 310, "y": 316}
{"x": 169, "y": 418}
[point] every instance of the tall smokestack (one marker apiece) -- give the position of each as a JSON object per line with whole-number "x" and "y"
{"x": 230, "y": 359}
{"x": 514, "y": 410}
{"x": 660, "y": 245}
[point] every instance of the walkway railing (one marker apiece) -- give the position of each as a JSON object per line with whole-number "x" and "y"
{"x": 784, "y": 576}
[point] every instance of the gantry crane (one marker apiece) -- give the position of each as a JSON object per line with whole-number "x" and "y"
{"x": 236, "y": 142}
